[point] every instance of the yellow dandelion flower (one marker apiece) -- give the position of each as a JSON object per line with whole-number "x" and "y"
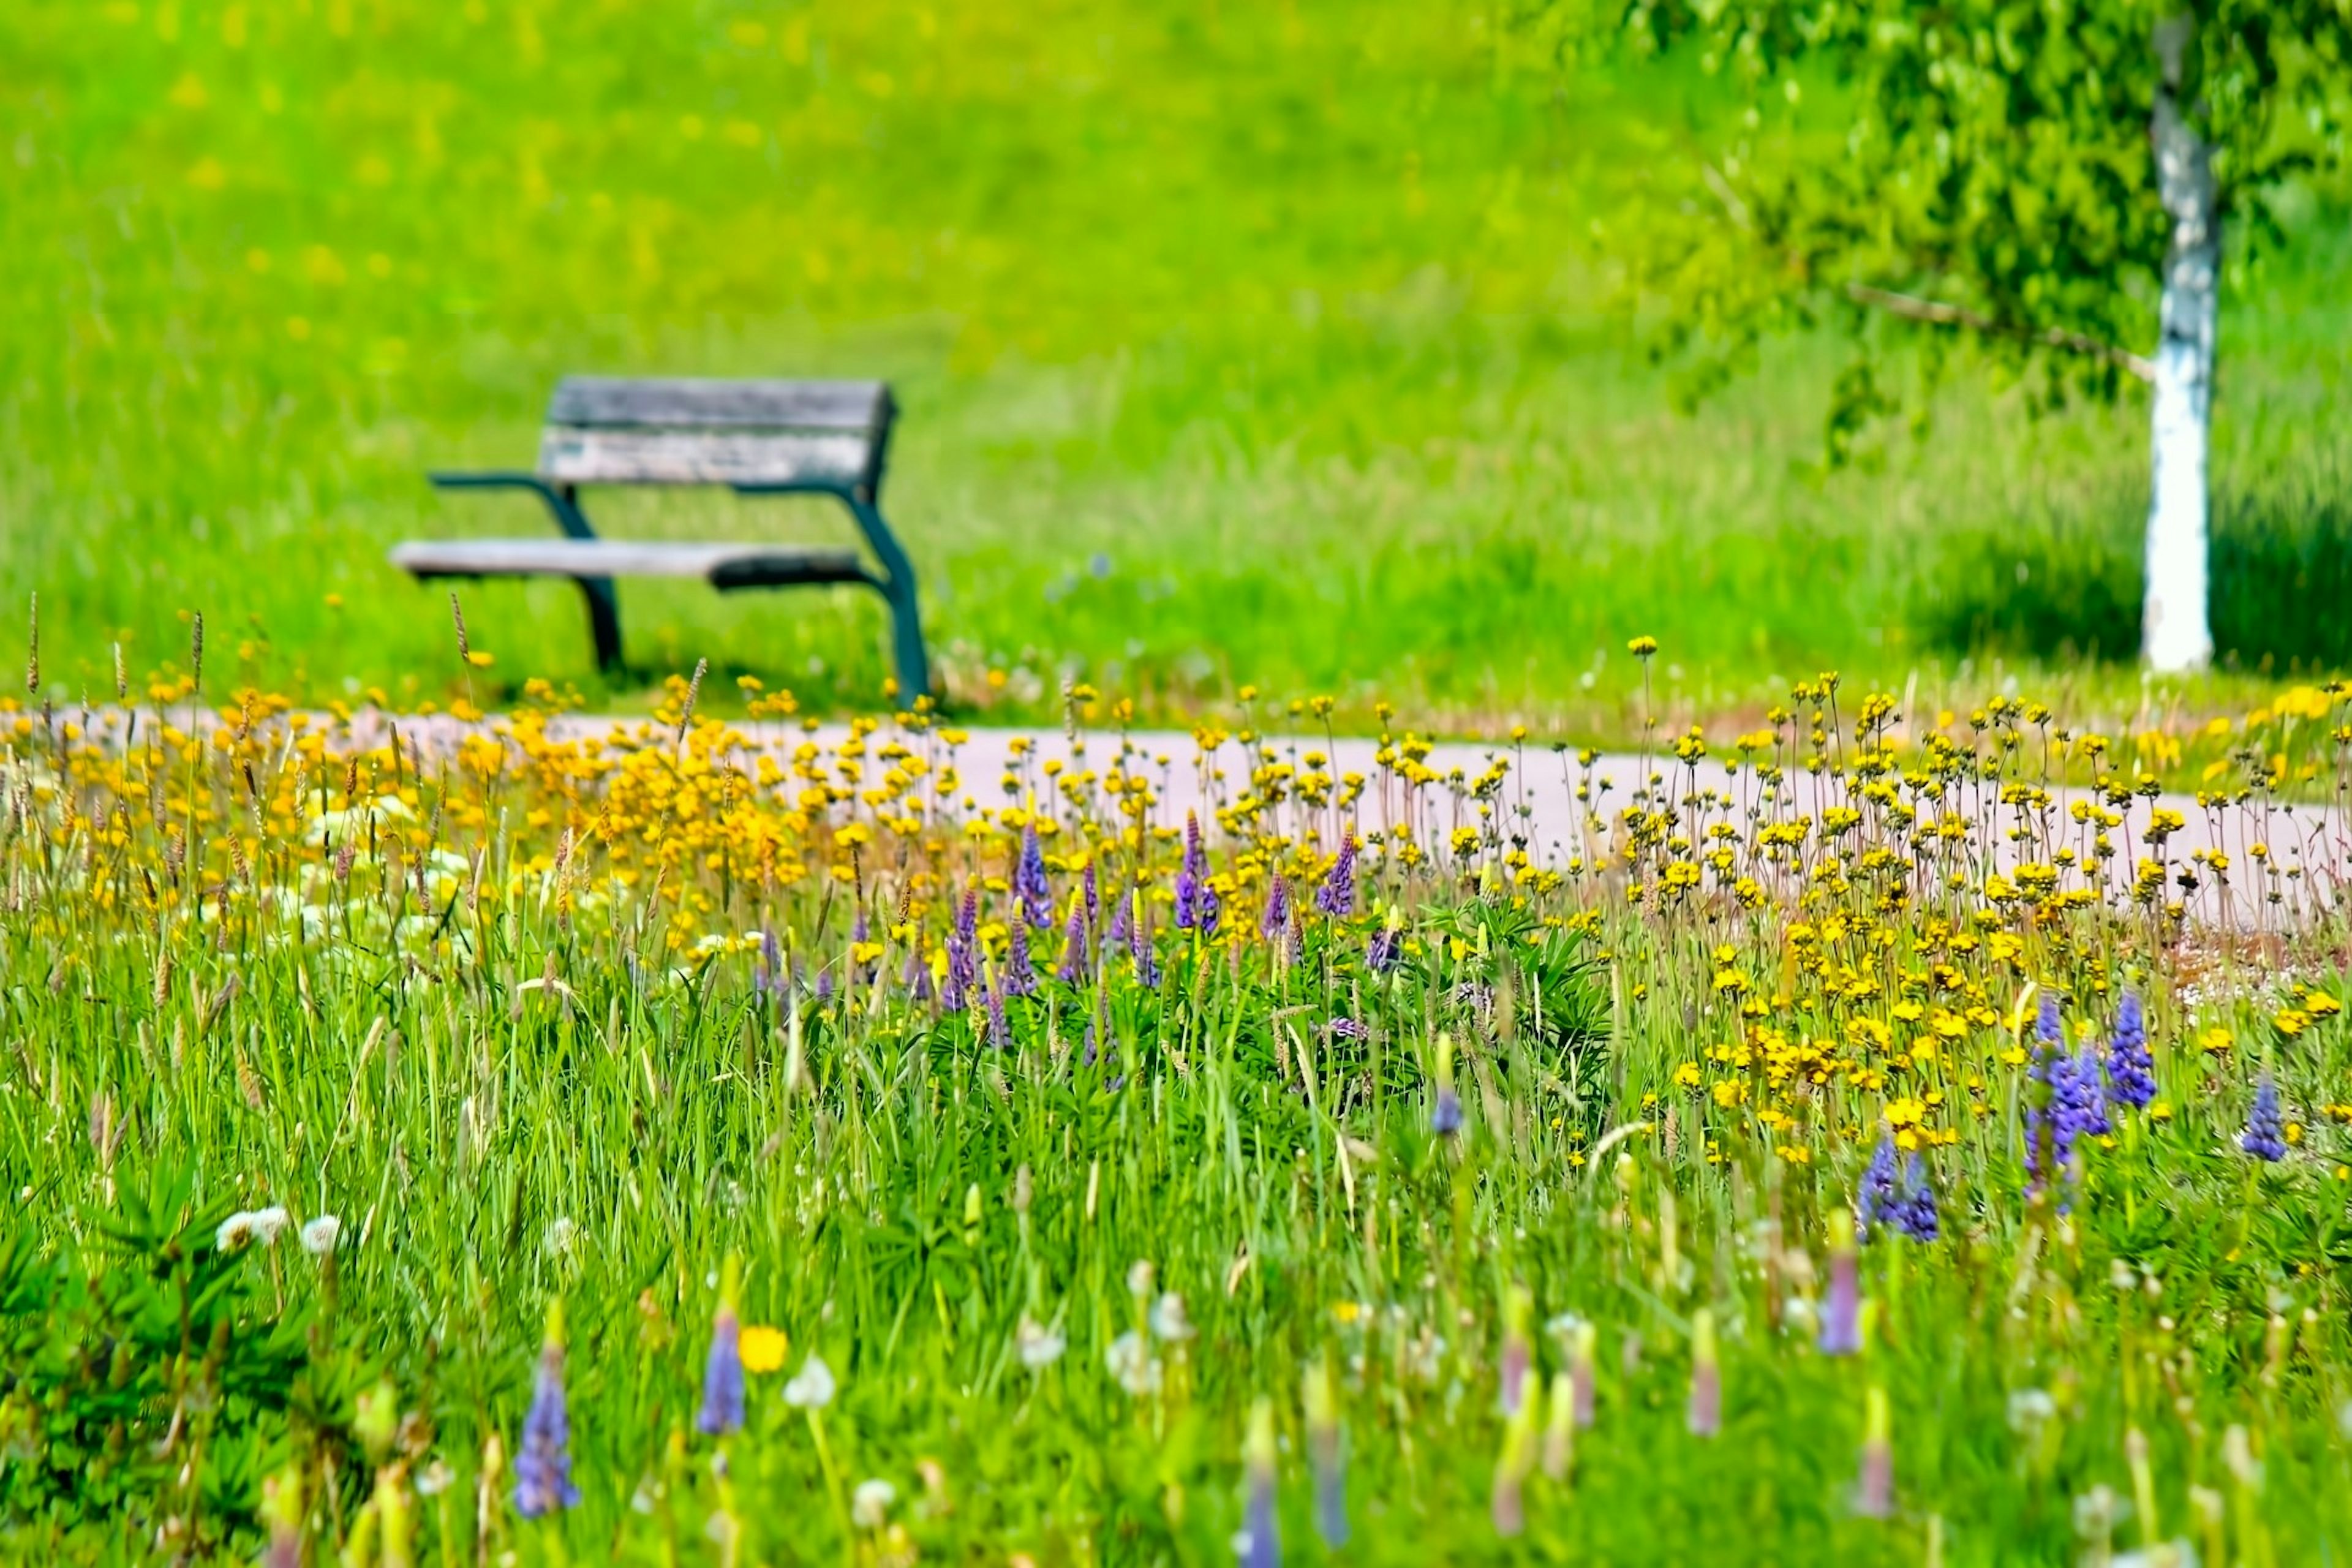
{"x": 762, "y": 1348}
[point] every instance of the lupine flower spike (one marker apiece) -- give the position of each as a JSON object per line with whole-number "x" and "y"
{"x": 1273, "y": 922}
{"x": 1072, "y": 968}
{"x": 1336, "y": 896}
{"x": 1581, "y": 1354}
{"x": 1029, "y": 883}
{"x": 2131, "y": 1070}
{"x": 1387, "y": 946}
{"x": 963, "y": 955}
{"x": 1842, "y": 1310}
{"x": 1191, "y": 876}
{"x": 1915, "y": 1208}
{"x": 1446, "y": 1110}
{"x": 1518, "y": 1306}
{"x": 1147, "y": 967}
{"x": 2265, "y": 1135}
{"x": 1560, "y": 1427}
{"x": 1873, "y": 1496}
{"x": 1326, "y": 1452}
{"x": 1261, "y": 1542}
{"x": 543, "y": 1465}
{"x": 723, "y": 1373}
{"x": 1881, "y": 1189}
{"x": 1020, "y": 978}
{"x": 1511, "y": 1467}
{"x": 1707, "y": 1376}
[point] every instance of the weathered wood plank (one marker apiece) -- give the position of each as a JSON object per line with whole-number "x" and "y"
{"x": 690, "y": 402}
{"x": 721, "y": 565}
{"x": 573, "y": 455}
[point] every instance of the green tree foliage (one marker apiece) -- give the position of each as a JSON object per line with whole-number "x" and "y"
{"x": 1974, "y": 168}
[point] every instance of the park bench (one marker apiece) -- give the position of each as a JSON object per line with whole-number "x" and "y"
{"x": 756, "y": 437}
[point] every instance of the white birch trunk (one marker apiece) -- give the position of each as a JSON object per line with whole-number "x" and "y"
{"x": 2175, "y": 634}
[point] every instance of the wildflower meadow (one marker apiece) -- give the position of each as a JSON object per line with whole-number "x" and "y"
{"x": 686, "y": 1140}
{"x": 1608, "y": 820}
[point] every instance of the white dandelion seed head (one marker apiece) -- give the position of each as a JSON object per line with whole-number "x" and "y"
{"x": 1131, "y": 1360}
{"x": 1039, "y": 1346}
{"x": 869, "y": 1505}
{"x": 811, "y": 1388}
{"x": 320, "y": 1234}
{"x": 1168, "y": 1320}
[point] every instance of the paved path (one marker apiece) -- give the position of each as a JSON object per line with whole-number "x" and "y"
{"x": 2305, "y": 850}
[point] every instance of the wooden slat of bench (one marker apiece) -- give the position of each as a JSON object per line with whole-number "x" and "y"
{"x": 577, "y": 455}
{"x": 703, "y": 404}
{"x": 721, "y": 565}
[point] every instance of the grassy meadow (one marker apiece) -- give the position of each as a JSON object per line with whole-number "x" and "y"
{"x": 1265, "y": 345}
{"x": 1896, "y": 1130}
{"x": 692, "y": 1143}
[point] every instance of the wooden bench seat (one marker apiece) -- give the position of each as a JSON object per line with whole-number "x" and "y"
{"x": 754, "y": 437}
{"x": 723, "y": 566}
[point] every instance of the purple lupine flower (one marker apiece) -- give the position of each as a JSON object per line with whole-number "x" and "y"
{"x": 1518, "y": 1353}
{"x": 2046, "y": 1022}
{"x": 1915, "y": 1207}
{"x": 1020, "y": 976}
{"x": 1000, "y": 1032}
{"x": 1122, "y": 925}
{"x": 2091, "y": 1095}
{"x": 2131, "y": 1070}
{"x": 723, "y": 1373}
{"x": 2063, "y": 1107}
{"x": 1873, "y": 1492}
{"x": 1191, "y": 877}
{"x": 964, "y": 954}
{"x": 1093, "y": 897}
{"x": 1336, "y": 896}
{"x": 917, "y": 976}
{"x": 1261, "y": 1543}
{"x": 768, "y": 978}
{"x": 1029, "y": 883}
{"x": 1147, "y": 967}
{"x": 1841, "y": 1308}
{"x": 1706, "y": 1412}
{"x": 861, "y": 929}
{"x": 1580, "y": 1374}
{"x": 543, "y": 1466}
{"x": 1326, "y": 1455}
{"x": 1383, "y": 952}
{"x": 1274, "y": 920}
{"x": 1211, "y": 907}
{"x": 1346, "y": 1029}
{"x": 1877, "y": 1202}
{"x": 2265, "y": 1135}
{"x": 1074, "y": 949}
{"x": 1445, "y": 1112}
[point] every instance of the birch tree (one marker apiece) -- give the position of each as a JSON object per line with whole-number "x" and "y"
{"x": 2052, "y": 179}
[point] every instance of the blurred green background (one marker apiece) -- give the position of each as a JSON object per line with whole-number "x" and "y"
{"x": 1266, "y": 343}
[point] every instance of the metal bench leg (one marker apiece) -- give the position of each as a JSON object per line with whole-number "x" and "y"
{"x": 603, "y": 599}
{"x": 907, "y": 638}
{"x": 907, "y": 654}
{"x": 604, "y": 621}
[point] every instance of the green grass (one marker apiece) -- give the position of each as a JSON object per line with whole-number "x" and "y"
{"x": 513, "y": 1019}
{"x": 1239, "y": 345}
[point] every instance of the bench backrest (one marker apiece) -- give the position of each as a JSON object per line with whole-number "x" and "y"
{"x": 780, "y": 435}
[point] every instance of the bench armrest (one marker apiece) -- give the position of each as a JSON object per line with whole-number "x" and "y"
{"x": 560, "y": 505}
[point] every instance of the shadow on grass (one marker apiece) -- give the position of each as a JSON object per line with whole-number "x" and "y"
{"x": 2069, "y": 590}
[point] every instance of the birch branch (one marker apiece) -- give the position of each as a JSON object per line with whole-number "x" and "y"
{"x": 1935, "y": 313}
